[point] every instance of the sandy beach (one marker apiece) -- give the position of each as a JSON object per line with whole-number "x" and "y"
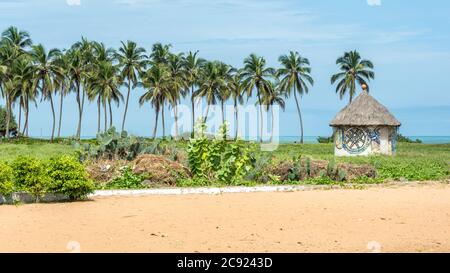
{"x": 385, "y": 219}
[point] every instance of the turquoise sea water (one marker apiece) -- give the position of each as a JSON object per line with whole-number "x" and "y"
{"x": 424, "y": 139}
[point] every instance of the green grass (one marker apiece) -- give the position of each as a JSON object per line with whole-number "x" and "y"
{"x": 9, "y": 152}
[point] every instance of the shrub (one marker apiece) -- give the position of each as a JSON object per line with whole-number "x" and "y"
{"x": 6, "y": 179}
{"x": 126, "y": 180}
{"x": 217, "y": 159}
{"x": 68, "y": 176}
{"x": 30, "y": 175}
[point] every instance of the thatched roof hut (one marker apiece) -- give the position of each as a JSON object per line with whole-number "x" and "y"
{"x": 365, "y": 111}
{"x": 365, "y": 127}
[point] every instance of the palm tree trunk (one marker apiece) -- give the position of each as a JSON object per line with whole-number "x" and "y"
{"x": 156, "y": 122}
{"x": 175, "y": 113}
{"x": 80, "y": 112}
{"x": 193, "y": 110}
{"x": 98, "y": 115}
{"x": 223, "y": 114}
{"x": 163, "y": 125}
{"x": 106, "y": 116}
{"x": 206, "y": 115}
{"x": 8, "y": 114}
{"x": 271, "y": 131}
{"x": 53, "y": 116}
{"x": 261, "y": 116}
{"x": 27, "y": 106}
{"x": 20, "y": 114}
{"x": 236, "y": 119}
{"x": 25, "y": 114}
{"x": 61, "y": 99}
{"x": 110, "y": 115}
{"x": 126, "y": 105}
{"x": 299, "y": 115}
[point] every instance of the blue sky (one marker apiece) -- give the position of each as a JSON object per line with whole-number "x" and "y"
{"x": 408, "y": 41}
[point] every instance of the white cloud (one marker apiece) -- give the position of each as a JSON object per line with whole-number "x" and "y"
{"x": 374, "y": 2}
{"x": 73, "y": 2}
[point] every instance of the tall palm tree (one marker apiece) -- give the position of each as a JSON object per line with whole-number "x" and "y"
{"x": 77, "y": 72}
{"x": 24, "y": 86}
{"x": 14, "y": 43}
{"x": 192, "y": 67}
{"x": 274, "y": 96}
{"x": 47, "y": 71}
{"x": 105, "y": 85}
{"x": 131, "y": 61}
{"x": 178, "y": 84}
{"x": 256, "y": 76}
{"x": 156, "y": 82}
{"x": 225, "y": 73}
{"x": 84, "y": 49}
{"x": 237, "y": 94}
{"x": 353, "y": 69}
{"x": 62, "y": 84}
{"x": 210, "y": 84}
{"x": 295, "y": 76}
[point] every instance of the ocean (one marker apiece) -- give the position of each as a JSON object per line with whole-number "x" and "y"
{"x": 424, "y": 139}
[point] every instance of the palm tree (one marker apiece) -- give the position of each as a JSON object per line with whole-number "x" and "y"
{"x": 237, "y": 94}
{"x": 178, "y": 84}
{"x": 353, "y": 69}
{"x": 192, "y": 66}
{"x": 13, "y": 44}
{"x": 62, "y": 83}
{"x": 210, "y": 84}
{"x": 274, "y": 96}
{"x": 131, "y": 61}
{"x": 84, "y": 49}
{"x": 295, "y": 75}
{"x": 76, "y": 72}
{"x": 156, "y": 82}
{"x": 105, "y": 85}
{"x": 46, "y": 72}
{"x": 24, "y": 84}
{"x": 256, "y": 75}
{"x": 225, "y": 73}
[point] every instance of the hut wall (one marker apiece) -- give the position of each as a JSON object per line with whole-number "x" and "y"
{"x": 364, "y": 141}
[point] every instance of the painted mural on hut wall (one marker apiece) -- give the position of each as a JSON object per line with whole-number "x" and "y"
{"x": 360, "y": 141}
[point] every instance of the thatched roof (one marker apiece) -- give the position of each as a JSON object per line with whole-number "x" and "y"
{"x": 364, "y": 110}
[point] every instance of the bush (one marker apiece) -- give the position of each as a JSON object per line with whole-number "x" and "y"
{"x": 68, "y": 176}
{"x": 402, "y": 138}
{"x": 30, "y": 175}
{"x": 126, "y": 180}
{"x": 6, "y": 179}
{"x": 217, "y": 159}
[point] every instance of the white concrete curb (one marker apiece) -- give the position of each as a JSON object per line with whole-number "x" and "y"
{"x": 211, "y": 191}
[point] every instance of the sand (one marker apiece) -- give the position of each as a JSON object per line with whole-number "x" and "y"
{"x": 400, "y": 219}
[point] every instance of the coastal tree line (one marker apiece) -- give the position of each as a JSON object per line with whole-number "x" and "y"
{"x": 30, "y": 73}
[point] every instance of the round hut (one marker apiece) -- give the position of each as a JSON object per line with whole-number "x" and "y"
{"x": 364, "y": 127}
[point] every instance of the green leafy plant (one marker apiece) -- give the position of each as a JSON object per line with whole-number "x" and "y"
{"x": 126, "y": 180}
{"x": 30, "y": 175}
{"x": 218, "y": 159}
{"x": 6, "y": 179}
{"x": 68, "y": 176}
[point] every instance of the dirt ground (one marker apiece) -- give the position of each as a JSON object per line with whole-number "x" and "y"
{"x": 394, "y": 219}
